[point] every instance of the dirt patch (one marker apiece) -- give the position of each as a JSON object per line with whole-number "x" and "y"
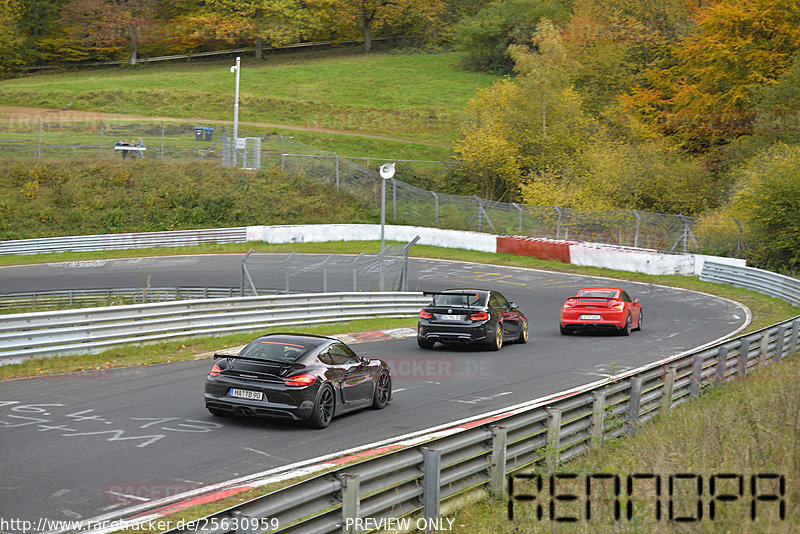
{"x": 25, "y": 114}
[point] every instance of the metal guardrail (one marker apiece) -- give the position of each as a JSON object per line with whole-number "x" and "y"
{"x": 176, "y": 238}
{"x": 107, "y": 297}
{"x": 26, "y": 335}
{"x": 769, "y": 283}
{"x": 416, "y": 479}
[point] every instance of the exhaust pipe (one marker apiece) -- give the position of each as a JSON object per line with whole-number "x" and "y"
{"x": 244, "y": 412}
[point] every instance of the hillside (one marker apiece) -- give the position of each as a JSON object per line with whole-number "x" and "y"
{"x": 110, "y": 196}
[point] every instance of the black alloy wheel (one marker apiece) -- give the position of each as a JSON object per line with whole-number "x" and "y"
{"x": 383, "y": 390}
{"x": 322, "y": 414}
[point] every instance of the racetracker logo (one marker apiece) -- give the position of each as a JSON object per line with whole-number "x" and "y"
{"x": 419, "y": 368}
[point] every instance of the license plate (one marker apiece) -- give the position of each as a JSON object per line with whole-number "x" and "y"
{"x": 451, "y": 317}
{"x": 587, "y": 317}
{"x": 246, "y": 394}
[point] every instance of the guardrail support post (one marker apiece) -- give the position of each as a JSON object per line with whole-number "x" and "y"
{"x": 597, "y": 430}
{"x": 762, "y": 356}
{"x": 634, "y": 405}
{"x": 432, "y": 485}
{"x": 669, "y": 387}
{"x": 795, "y": 333}
{"x": 350, "y": 503}
{"x": 744, "y": 355}
{"x": 697, "y": 375}
{"x": 553, "y": 437}
{"x": 722, "y": 365}
{"x": 780, "y": 342}
{"x": 436, "y": 207}
{"x": 243, "y": 524}
{"x": 498, "y": 467}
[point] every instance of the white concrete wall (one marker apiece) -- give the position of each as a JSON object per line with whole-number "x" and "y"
{"x": 316, "y": 233}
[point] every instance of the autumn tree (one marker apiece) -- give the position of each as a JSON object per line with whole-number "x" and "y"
{"x": 767, "y": 195}
{"x": 109, "y": 22}
{"x": 261, "y": 22}
{"x": 11, "y": 15}
{"x": 366, "y": 15}
{"x": 531, "y": 126}
{"x": 703, "y": 90}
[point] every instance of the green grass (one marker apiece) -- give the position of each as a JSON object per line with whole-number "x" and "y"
{"x": 745, "y": 427}
{"x": 413, "y": 96}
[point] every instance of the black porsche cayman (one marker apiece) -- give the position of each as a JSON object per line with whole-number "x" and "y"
{"x": 296, "y": 376}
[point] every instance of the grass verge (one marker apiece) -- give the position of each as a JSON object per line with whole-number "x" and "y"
{"x": 89, "y": 365}
{"x": 743, "y": 428}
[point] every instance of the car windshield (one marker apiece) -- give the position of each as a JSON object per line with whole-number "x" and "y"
{"x": 597, "y": 293}
{"x": 460, "y": 300}
{"x": 278, "y": 349}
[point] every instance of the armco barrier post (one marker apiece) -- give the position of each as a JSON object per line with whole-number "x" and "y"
{"x": 553, "y": 437}
{"x": 764, "y": 353}
{"x": 795, "y": 333}
{"x": 243, "y": 523}
{"x": 780, "y": 342}
{"x": 634, "y": 403}
{"x": 431, "y": 483}
{"x": 669, "y": 388}
{"x": 697, "y": 375}
{"x": 744, "y": 355}
{"x": 598, "y": 418}
{"x": 497, "y": 468}
{"x": 350, "y": 503}
{"x": 722, "y": 365}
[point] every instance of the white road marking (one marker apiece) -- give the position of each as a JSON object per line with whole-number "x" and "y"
{"x": 125, "y": 496}
{"x": 60, "y": 492}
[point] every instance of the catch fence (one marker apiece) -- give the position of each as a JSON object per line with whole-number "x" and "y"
{"x": 405, "y": 203}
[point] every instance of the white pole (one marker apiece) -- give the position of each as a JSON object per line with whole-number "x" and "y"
{"x": 236, "y": 102}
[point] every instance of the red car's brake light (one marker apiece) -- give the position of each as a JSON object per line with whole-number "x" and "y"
{"x": 300, "y": 380}
{"x": 425, "y": 315}
{"x": 568, "y": 304}
{"x": 619, "y": 306}
{"x": 480, "y": 316}
{"x": 215, "y": 371}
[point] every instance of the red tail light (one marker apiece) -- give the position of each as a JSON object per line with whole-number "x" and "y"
{"x": 300, "y": 380}
{"x": 215, "y": 371}
{"x": 619, "y": 306}
{"x": 425, "y": 315}
{"x": 570, "y": 303}
{"x": 480, "y": 316}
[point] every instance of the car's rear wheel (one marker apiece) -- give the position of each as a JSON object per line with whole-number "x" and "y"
{"x": 639, "y": 323}
{"x": 626, "y": 330}
{"x": 383, "y": 390}
{"x": 498, "y": 338}
{"x": 322, "y": 414}
{"x": 564, "y": 331}
{"x": 424, "y": 343}
{"x": 523, "y": 334}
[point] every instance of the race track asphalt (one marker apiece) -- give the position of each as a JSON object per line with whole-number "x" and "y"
{"x": 76, "y": 447}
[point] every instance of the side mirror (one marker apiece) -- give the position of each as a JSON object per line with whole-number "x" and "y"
{"x": 512, "y": 305}
{"x": 636, "y": 301}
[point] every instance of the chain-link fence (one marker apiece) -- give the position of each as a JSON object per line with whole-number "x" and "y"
{"x": 405, "y": 203}
{"x": 385, "y": 270}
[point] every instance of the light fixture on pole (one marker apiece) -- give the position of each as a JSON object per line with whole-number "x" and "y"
{"x": 386, "y": 172}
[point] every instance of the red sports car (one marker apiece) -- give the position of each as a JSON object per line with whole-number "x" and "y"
{"x": 601, "y": 308}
